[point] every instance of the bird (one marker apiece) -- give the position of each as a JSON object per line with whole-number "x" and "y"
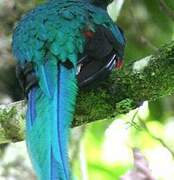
{"x": 47, "y": 43}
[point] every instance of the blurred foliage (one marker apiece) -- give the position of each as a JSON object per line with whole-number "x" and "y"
{"x": 146, "y": 27}
{"x": 107, "y": 144}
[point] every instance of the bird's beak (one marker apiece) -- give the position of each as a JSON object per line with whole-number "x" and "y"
{"x": 119, "y": 63}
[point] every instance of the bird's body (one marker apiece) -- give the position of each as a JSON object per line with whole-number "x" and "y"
{"x": 50, "y": 36}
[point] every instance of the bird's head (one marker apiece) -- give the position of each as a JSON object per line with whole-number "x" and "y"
{"x": 101, "y": 3}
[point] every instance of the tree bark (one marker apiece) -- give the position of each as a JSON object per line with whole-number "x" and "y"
{"x": 147, "y": 79}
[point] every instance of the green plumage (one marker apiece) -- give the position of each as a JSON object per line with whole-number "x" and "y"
{"x": 56, "y": 27}
{"x": 48, "y": 36}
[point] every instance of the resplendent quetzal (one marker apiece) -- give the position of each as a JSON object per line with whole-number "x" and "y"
{"x": 49, "y": 41}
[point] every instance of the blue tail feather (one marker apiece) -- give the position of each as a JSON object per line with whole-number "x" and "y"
{"x": 48, "y": 120}
{"x": 31, "y": 112}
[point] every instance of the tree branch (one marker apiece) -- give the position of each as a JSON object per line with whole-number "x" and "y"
{"x": 147, "y": 79}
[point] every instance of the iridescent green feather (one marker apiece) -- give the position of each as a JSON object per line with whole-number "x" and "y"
{"x": 47, "y": 36}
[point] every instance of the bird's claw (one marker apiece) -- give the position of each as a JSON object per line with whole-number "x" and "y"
{"x": 26, "y": 76}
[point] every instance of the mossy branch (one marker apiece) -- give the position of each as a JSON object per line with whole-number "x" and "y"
{"x": 146, "y": 79}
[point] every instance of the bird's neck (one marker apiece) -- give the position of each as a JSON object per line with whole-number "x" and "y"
{"x": 99, "y": 3}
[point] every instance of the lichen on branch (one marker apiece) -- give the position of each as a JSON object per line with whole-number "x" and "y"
{"x": 147, "y": 79}
{"x": 128, "y": 88}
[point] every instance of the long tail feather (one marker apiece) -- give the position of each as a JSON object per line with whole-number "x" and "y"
{"x": 48, "y": 122}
